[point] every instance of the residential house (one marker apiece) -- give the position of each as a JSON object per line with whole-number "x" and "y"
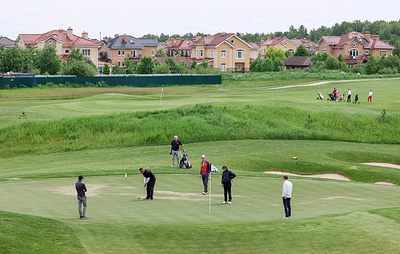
{"x": 63, "y": 41}
{"x": 6, "y": 42}
{"x": 224, "y": 51}
{"x": 179, "y": 46}
{"x": 279, "y": 42}
{"x": 309, "y": 45}
{"x": 254, "y": 51}
{"x": 355, "y": 47}
{"x": 127, "y": 46}
{"x": 297, "y": 62}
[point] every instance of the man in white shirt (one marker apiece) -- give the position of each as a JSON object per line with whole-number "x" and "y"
{"x": 349, "y": 96}
{"x": 287, "y": 196}
{"x": 370, "y": 96}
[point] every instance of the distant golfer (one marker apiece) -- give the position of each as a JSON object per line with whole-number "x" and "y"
{"x": 349, "y": 96}
{"x": 175, "y": 150}
{"x": 226, "y": 182}
{"x": 205, "y": 170}
{"x": 286, "y": 197}
{"x": 149, "y": 182}
{"x": 370, "y": 96}
{"x": 81, "y": 190}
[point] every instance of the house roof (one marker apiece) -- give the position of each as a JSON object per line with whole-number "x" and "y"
{"x": 273, "y": 42}
{"x": 254, "y": 46}
{"x": 378, "y": 44}
{"x": 339, "y": 42}
{"x": 60, "y": 35}
{"x": 304, "y": 42}
{"x": 216, "y": 39}
{"x": 6, "y": 42}
{"x": 297, "y": 61}
{"x": 330, "y": 40}
{"x": 131, "y": 43}
{"x": 176, "y": 59}
{"x": 185, "y": 44}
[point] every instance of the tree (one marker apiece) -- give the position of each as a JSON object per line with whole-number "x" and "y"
{"x": 301, "y": 51}
{"x": 129, "y": 66}
{"x": 145, "y": 66}
{"x": 160, "y": 53}
{"x": 341, "y": 58}
{"x": 396, "y": 51}
{"x": 77, "y": 65}
{"x": 161, "y": 68}
{"x": 117, "y": 70}
{"x": 273, "y": 52}
{"x": 104, "y": 57}
{"x": 16, "y": 59}
{"x": 106, "y": 69}
{"x": 47, "y": 61}
{"x": 256, "y": 65}
{"x": 194, "y": 65}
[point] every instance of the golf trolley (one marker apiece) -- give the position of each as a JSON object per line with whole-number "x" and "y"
{"x": 185, "y": 162}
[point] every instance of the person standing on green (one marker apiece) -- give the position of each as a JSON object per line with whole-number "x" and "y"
{"x": 81, "y": 190}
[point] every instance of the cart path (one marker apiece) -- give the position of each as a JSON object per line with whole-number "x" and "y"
{"x": 327, "y": 82}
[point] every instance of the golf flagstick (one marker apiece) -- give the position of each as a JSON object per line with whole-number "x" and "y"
{"x": 209, "y": 199}
{"x": 162, "y": 89}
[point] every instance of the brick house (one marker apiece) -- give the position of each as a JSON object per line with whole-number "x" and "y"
{"x": 279, "y": 42}
{"x": 355, "y": 47}
{"x": 179, "y": 46}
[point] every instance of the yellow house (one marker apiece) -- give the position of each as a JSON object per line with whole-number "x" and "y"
{"x": 63, "y": 41}
{"x": 224, "y": 51}
{"x": 279, "y": 42}
{"x": 355, "y": 47}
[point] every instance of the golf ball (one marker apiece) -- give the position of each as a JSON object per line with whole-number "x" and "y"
{"x": 248, "y": 204}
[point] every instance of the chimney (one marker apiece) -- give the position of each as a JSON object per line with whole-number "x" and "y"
{"x": 116, "y": 35}
{"x": 85, "y": 35}
{"x": 367, "y": 36}
{"x": 124, "y": 37}
{"x": 105, "y": 39}
{"x": 262, "y": 40}
{"x": 70, "y": 33}
{"x": 268, "y": 38}
{"x": 375, "y": 37}
{"x": 198, "y": 37}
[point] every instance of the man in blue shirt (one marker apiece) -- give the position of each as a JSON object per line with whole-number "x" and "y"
{"x": 81, "y": 190}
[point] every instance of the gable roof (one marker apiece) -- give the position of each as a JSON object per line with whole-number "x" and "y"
{"x": 217, "y": 39}
{"x": 330, "y": 40}
{"x": 185, "y": 44}
{"x": 131, "y": 43}
{"x": 303, "y": 61}
{"x": 304, "y": 42}
{"x": 339, "y": 42}
{"x": 274, "y": 41}
{"x": 6, "y": 42}
{"x": 60, "y": 35}
{"x": 254, "y": 46}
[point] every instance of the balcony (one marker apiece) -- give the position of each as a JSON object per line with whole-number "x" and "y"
{"x": 355, "y": 59}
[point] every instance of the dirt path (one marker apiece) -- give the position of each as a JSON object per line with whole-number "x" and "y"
{"x": 333, "y": 176}
{"x": 325, "y": 82}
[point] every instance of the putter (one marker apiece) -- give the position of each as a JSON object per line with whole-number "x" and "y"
{"x": 141, "y": 194}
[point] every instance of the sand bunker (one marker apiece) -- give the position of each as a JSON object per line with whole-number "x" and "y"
{"x": 386, "y": 183}
{"x": 333, "y": 176}
{"x": 342, "y": 197}
{"x": 381, "y": 164}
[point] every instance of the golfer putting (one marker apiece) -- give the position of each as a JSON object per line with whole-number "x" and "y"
{"x": 226, "y": 182}
{"x": 149, "y": 182}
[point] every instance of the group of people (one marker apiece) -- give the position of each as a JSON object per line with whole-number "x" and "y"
{"x": 335, "y": 96}
{"x": 205, "y": 170}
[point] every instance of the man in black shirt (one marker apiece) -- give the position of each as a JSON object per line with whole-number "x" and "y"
{"x": 175, "y": 150}
{"x": 81, "y": 189}
{"x": 149, "y": 181}
{"x": 226, "y": 182}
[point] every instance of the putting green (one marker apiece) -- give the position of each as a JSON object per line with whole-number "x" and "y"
{"x": 178, "y": 199}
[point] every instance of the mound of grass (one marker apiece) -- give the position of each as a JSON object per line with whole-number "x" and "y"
{"x": 30, "y": 234}
{"x": 199, "y": 123}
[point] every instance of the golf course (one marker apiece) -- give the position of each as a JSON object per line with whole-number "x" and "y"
{"x": 345, "y": 179}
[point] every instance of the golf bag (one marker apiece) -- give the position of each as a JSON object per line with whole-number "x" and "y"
{"x": 320, "y": 96}
{"x": 356, "y": 99}
{"x": 185, "y": 162}
{"x": 331, "y": 97}
{"x": 342, "y": 96}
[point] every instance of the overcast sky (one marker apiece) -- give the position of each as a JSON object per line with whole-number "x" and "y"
{"x": 139, "y": 17}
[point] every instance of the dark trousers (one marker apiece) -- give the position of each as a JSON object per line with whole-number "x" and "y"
{"x": 204, "y": 177}
{"x": 288, "y": 208}
{"x": 227, "y": 190}
{"x": 349, "y": 98}
{"x": 150, "y": 189}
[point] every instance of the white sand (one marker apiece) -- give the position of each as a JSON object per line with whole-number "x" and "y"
{"x": 381, "y": 164}
{"x": 333, "y": 176}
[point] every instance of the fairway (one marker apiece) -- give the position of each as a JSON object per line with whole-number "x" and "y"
{"x": 103, "y": 133}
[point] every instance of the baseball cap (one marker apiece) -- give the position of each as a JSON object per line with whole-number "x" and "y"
{"x": 224, "y": 166}
{"x": 203, "y": 156}
{"x": 80, "y": 177}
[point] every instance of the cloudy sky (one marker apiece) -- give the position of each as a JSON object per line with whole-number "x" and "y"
{"x": 139, "y": 17}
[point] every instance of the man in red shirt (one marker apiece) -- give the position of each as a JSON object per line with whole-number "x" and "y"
{"x": 205, "y": 169}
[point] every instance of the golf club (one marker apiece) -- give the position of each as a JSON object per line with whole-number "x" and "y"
{"x": 141, "y": 194}
{"x": 297, "y": 161}
{"x": 222, "y": 196}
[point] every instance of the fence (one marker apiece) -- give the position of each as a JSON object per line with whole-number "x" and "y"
{"x": 113, "y": 80}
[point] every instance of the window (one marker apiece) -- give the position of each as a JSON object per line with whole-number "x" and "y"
{"x": 239, "y": 54}
{"x": 67, "y": 51}
{"x": 119, "y": 52}
{"x": 134, "y": 53}
{"x": 86, "y": 52}
{"x": 50, "y": 41}
{"x": 119, "y": 63}
{"x": 367, "y": 52}
{"x": 123, "y": 64}
{"x": 265, "y": 50}
{"x": 223, "y": 53}
{"x": 152, "y": 52}
{"x": 223, "y": 67}
{"x": 201, "y": 53}
{"x": 123, "y": 52}
{"x": 232, "y": 41}
{"x": 383, "y": 52}
{"x": 324, "y": 51}
{"x": 354, "y": 52}
{"x": 354, "y": 45}
{"x": 350, "y": 66}
{"x": 291, "y": 51}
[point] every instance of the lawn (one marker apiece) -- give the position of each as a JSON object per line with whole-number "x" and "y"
{"x": 245, "y": 125}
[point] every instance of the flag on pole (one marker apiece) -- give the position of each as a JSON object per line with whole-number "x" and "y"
{"x": 162, "y": 89}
